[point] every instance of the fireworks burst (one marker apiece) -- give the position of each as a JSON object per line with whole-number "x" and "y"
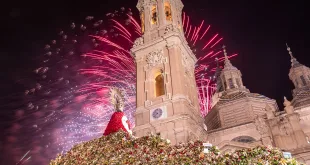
{"x": 68, "y": 103}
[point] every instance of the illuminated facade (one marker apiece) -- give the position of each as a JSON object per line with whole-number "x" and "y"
{"x": 241, "y": 119}
{"x": 167, "y": 99}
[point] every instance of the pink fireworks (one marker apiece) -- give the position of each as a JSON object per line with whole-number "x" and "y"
{"x": 69, "y": 103}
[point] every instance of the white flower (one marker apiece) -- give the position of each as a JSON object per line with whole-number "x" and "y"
{"x": 168, "y": 141}
{"x": 269, "y": 147}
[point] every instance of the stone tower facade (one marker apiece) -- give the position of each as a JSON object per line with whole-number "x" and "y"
{"x": 167, "y": 98}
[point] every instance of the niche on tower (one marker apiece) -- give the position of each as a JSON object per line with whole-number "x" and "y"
{"x": 159, "y": 83}
{"x": 168, "y": 12}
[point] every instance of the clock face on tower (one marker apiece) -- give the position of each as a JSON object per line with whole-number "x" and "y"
{"x": 157, "y": 113}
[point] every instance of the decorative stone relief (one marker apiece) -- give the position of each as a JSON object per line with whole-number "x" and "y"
{"x": 261, "y": 126}
{"x": 142, "y": 3}
{"x": 168, "y": 29}
{"x": 156, "y": 57}
{"x": 148, "y": 103}
{"x": 285, "y": 126}
{"x": 189, "y": 70}
{"x": 139, "y": 41}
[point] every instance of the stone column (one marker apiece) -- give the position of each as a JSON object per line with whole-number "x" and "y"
{"x": 140, "y": 83}
{"x": 176, "y": 70}
{"x": 147, "y": 23}
{"x": 298, "y": 133}
{"x": 161, "y": 13}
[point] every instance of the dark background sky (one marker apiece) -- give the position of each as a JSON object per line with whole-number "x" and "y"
{"x": 256, "y": 30}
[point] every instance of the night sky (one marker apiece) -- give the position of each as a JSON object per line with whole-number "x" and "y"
{"x": 256, "y": 30}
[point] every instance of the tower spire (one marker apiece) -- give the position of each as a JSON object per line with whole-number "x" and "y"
{"x": 225, "y": 54}
{"x": 299, "y": 73}
{"x": 227, "y": 63}
{"x": 217, "y": 75}
{"x": 289, "y": 51}
{"x": 294, "y": 61}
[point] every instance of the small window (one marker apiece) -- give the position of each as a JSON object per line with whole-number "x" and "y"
{"x": 244, "y": 139}
{"x": 154, "y": 15}
{"x": 231, "y": 84}
{"x": 168, "y": 11}
{"x": 159, "y": 84}
{"x": 303, "y": 80}
{"x": 219, "y": 86}
{"x": 225, "y": 85}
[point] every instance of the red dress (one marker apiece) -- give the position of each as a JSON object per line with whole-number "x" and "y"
{"x": 117, "y": 122}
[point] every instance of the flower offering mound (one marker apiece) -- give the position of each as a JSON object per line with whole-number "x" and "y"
{"x": 121, "y": 148}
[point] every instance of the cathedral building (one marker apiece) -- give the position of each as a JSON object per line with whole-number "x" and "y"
{"x": 241, "y": 119}
{"x": 167, "y": 98}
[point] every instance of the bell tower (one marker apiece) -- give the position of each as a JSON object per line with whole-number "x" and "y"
{"x": 167, "y": 98}
{"x": 300, "y": 76}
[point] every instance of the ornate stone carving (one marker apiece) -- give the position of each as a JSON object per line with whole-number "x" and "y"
{"x": 142, "y": 3}
{"x": 168, "y": 29}
{"x": 156, "y": 57}
{"x": 148, "y": 103}
{"x": 261, "y": 126}
{"x": 187, "y": 63}
{"x": 285, "y": 126}
{"x": 139, "y": 41}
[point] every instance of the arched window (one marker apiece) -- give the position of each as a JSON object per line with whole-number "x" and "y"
{"x": 225, "y": 85}
{"x": 159, "y": 84}
{"x": 168, "y": 11}
{"x": 231, "y": 84}
{"x": 244, "y": 139}
{"x": 142, "y": 22}
{"x": 154, "y": 15}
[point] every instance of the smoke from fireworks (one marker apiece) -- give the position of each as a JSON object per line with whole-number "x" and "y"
{"x": 68, "y": 102}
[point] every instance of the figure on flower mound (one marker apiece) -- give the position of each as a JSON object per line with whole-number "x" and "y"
{"x": 118, "y": 120}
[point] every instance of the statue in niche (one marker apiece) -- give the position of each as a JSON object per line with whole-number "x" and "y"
{"x": 289, "y": 109}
